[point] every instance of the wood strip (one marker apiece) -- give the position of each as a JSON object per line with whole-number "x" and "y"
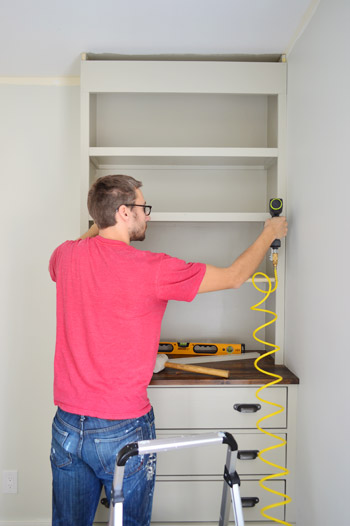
{"x": 241, "y": 373}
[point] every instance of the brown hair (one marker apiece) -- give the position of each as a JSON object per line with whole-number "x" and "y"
{"x": 107, "y": 194}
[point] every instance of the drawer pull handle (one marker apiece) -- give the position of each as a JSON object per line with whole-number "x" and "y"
{"x": 249, "y": 502}
{"x": 247, "y": 408}
{"x": 249, "y": 454}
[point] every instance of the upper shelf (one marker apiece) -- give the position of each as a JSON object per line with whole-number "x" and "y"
{"x": 105, "y": 157}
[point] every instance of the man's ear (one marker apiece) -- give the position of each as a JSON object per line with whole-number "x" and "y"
{"x": 123, "y": 213}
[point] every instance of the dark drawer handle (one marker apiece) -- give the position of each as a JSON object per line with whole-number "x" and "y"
{"x": 247, "y": 408}
{"x": 248, "y": 454}
{"x": 249, "y": 502}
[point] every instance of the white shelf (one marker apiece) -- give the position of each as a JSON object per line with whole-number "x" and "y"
{"x": 209, "y": 217}
{"x": 104, "y": 157}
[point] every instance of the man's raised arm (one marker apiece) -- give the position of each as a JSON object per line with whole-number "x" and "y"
{"x": 232, "y": 277}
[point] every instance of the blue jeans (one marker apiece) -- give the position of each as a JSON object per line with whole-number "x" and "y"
{"x": 83, "y": 454}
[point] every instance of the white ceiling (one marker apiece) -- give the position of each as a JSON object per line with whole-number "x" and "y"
{"x": 46, "y": 37}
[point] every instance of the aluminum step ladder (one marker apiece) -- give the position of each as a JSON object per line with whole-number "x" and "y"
{"x": 144, "y": 447}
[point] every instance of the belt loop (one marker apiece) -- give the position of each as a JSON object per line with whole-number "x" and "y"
{"x": 82, "y": 418}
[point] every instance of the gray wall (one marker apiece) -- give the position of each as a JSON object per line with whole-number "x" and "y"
{"x": 317, "y": 295}
{"x": 39, "y": 203}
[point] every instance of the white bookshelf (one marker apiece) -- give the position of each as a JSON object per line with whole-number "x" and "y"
{"x": 207, "y": 139}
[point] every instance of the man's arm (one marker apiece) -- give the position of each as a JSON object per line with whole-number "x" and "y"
{"x": 92, "y": 232}
{"x": 232, "y": 277}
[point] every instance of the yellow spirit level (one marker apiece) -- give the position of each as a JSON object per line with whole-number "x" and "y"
{"x": 201, "y": 349}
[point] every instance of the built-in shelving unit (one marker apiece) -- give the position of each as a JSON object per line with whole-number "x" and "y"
{"x": 207, "y": 139}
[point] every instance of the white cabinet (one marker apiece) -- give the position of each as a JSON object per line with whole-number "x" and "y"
{"x": 184, "y": 502}
{"x": 214, "y": 407}
{"x": 190, "y": 482}
{"x": 208, "y": 141}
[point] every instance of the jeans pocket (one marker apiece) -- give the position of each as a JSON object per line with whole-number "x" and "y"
{"x": 59, "y": 456}
{"x": 108, "y": 448}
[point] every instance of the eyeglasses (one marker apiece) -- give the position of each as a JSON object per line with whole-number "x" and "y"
{"x": 146, "y": 208}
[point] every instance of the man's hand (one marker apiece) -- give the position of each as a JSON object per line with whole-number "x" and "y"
{"x": 278, "y": 226}
{"x": 92, "y": 232}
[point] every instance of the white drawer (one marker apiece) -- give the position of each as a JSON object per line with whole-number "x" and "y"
{"x": 187, "y": 501}
{"x": 213, "y": 408}
{"x": 210, "y": 460}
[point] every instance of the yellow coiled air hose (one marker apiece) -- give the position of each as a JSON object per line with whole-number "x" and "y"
{"x": 277, "y": 378}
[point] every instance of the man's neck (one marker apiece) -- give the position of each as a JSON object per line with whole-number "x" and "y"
{"x": 115, "y": 234}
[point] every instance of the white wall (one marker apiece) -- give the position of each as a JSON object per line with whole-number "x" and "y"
{"x": 39, "y": 203}
{"x": 317, "y": 295}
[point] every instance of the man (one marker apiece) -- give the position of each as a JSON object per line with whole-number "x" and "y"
{"x": 111, "y": 299}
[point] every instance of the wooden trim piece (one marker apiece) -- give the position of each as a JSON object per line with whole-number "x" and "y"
{"x": 183, "y": 77}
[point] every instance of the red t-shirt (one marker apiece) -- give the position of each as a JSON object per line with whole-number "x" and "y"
{"x": 111, "y": 298}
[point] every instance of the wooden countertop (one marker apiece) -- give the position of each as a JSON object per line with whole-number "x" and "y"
{"x": 241, "y": 373}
